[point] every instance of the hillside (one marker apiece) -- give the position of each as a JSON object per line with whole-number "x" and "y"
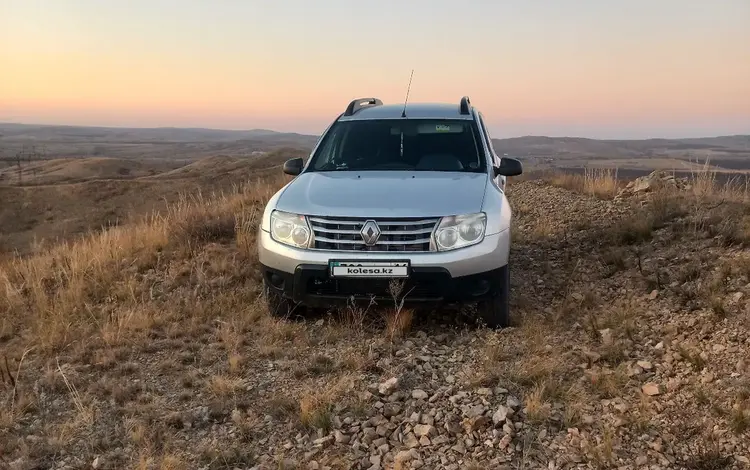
{"x": 70, "y": 170}
{"x": 146, "y": 346}
{"x": 63, "y": 199}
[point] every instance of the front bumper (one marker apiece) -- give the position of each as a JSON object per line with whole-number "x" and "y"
{"x": 491, "y": 254}
{"x": 470, "y": 273}
{"x": 310, "y": 285}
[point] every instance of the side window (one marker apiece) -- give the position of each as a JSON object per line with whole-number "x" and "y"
{"x": 328, "y": 153}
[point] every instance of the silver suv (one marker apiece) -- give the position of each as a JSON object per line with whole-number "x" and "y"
{"x": 407, "y": 193}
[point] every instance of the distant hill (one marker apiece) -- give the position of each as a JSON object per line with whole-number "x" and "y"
{"x": 164, "y": 142}
{"x": 135, "y": 134}
{"x": 190, "y": 144}
{"x": 542, "y": 145}
{"x": 723, "y": 152}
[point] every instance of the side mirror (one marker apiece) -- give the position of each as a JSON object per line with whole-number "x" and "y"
{"x": 294, "y": 166}
{"x": 508, "y": 167}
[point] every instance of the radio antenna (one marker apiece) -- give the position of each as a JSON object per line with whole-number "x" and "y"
{"x": 403, "y": 113}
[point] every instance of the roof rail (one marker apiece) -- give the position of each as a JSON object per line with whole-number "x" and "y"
{"x": 360, "y": 103}
{"x": 465, "y": 105}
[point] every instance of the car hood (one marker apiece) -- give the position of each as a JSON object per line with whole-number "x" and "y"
{"x": 384, "y": 193}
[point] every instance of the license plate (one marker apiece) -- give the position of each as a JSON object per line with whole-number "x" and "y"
{"x": 344, "y": 268}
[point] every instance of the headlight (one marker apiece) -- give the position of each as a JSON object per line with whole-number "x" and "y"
{"x": 291, "y": 229}
{"x": 460, "y": 231}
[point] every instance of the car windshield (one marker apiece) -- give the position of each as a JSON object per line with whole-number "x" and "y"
{"x": 400, "y": 144}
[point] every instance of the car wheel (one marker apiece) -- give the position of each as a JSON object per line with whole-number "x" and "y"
{"x": 495, "y": 311}
{"x": 280, "y": 306}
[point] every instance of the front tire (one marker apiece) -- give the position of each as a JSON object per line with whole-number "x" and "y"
{"x": 278, "y": 305}
{"x": 495, "y": 311}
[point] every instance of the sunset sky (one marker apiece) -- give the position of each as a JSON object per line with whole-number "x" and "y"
{"x": 604, "y": 68}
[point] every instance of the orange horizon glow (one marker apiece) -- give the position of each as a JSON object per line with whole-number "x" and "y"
{"x": 258, "y": 64}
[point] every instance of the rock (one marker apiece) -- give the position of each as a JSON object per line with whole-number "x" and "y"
{"x": 641, "y": 460}
{"x": 96, "y": 463}
{"x": 369, "y": 435}
{"x": 674, "y": 384}
{"x": 708, "y": 378}
{"x": 650, "y": 389}
{"x": 340, "y": 437}
{"x": 504, "y": 442}
{"x": 649, "y": 182}
{"x": 641, "y": 184}
{"x": 475, "y": 423}
{"x": 645, "y": 365}
{"x": 419, "y": 394}
{"x": 411, "y": 440}
{"x": 501, "y": 414}
{"x": 405, "y": 456}
{"x": 388, "y": 387}
{"x": 236, "y": 416}
{"x": 323, "y": 441}
{"x": 459, "y": 447}
{"x": 391, "y": 409}
{"x": 424, "y": 430}
{"x": 477, "y": 410}
{"x": 288, "y": 464}
{"x": 513, "y": 402}
{"x": 606, "y": 336}
{"x": 653, "y": 295}
{"x": 453, "y": 427}
{"x": 634, "y": 370}
{"x": 593, "y": 356}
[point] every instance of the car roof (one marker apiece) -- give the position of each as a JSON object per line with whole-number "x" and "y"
{"x": 413, "y": 111}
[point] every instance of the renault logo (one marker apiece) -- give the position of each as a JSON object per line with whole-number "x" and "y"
{"x": 370, "y": 232}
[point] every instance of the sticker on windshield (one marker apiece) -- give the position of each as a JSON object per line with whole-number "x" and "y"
{"x": 442, "y": 128}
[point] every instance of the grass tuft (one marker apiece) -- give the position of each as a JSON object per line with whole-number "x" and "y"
{"x": 599, "y": 182}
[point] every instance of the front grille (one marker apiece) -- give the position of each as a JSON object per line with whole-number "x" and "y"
{"x": 397, "y": 234}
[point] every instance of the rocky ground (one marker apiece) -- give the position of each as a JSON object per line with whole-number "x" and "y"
{"x": 629, "y": 349}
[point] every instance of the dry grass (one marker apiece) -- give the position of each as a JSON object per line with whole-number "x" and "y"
{"x": 599, "y": 182}
{"x": 704, "y": 184}
{"x": 537, "y": 407}
{"x": 398, "y": 322}
{"x": 316, "y": 404}
{"x": 601, "y": 453}
{"x": 608, "y": 383}
{"x": 96, "y": 286}
{"x": 181, "y": 292}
